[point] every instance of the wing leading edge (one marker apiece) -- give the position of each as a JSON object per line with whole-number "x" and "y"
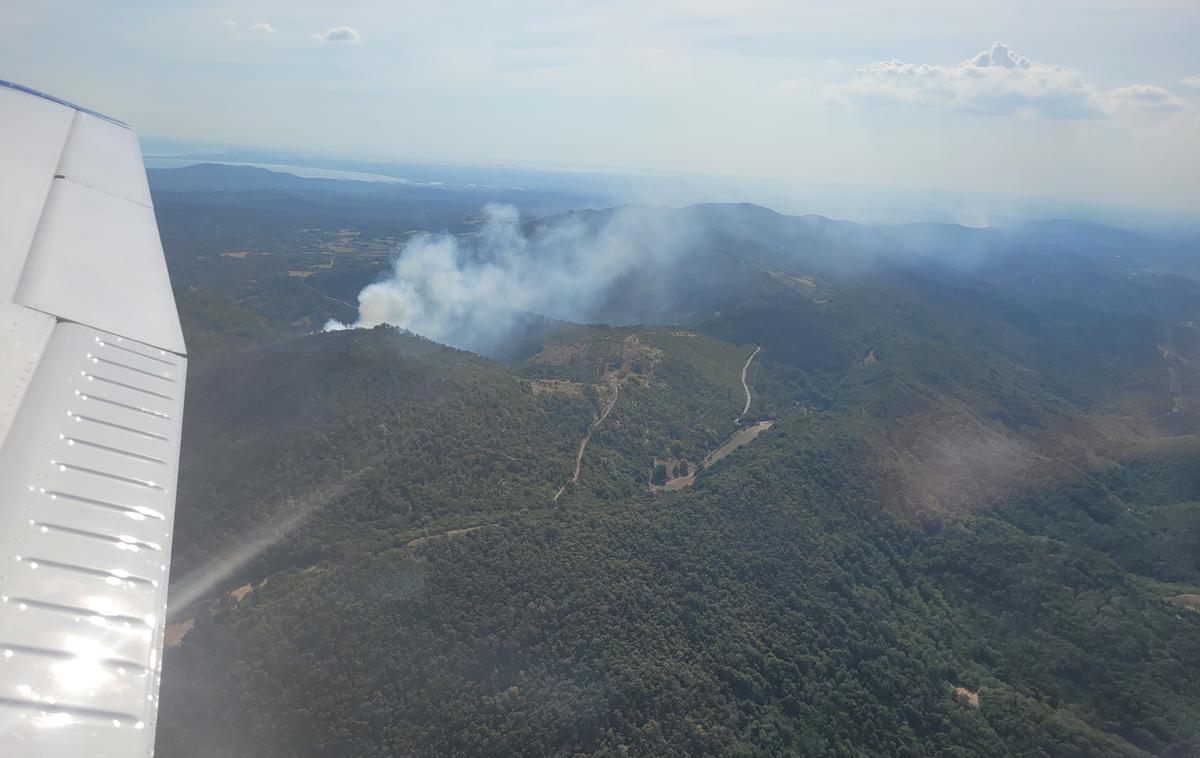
{"x": 92, "y": 369}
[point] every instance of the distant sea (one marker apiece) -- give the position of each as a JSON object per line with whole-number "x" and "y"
{"x": 308, "y": 172}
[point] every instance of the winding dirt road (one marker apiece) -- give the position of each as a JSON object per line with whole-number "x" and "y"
{"x": 743, "y": 435}
{"x": 745, "y": 385}
{"x": 616, "y": 386}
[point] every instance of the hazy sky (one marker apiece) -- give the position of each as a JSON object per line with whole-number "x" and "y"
{"x": 1094, "y": 102}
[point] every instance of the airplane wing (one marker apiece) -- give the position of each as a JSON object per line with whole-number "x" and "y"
{"x": 92, "y": 366}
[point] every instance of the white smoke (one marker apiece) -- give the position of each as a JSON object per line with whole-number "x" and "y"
{"x": 470, "y": 291}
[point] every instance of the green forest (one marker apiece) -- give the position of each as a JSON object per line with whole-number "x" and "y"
{"x": 972, "y": 529}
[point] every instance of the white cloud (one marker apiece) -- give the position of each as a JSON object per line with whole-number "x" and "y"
{"x": 1000, "y": 81}
{"x": 263, "y": 26}
{"x": 1143, "y": 97}
{"x": 1192, "y": 81}
{"x": 339, "y": 34}
{"x": 230, "y": 23}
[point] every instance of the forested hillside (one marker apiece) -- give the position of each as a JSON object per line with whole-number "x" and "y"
{"x": 971, "y": 527}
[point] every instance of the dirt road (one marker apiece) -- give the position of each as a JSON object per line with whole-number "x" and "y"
{"x": 745, "y": 384}
{"x": 616, "y": 387}
{"x": 743, "y": 436}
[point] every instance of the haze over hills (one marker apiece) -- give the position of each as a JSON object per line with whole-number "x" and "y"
{"x": 896, "y": 204}
{"x": 642, "y": 379}
{"x": 961, "y": 514}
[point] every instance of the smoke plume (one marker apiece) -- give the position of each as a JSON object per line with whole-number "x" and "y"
{"x": 471, "y": 291}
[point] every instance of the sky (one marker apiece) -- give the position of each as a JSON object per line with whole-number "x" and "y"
{"x": 1092, "y": 103}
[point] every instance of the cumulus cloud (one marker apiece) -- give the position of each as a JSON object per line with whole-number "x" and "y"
{"x": 1000, "y": 81}
{"x": 231, "y": 23}
{"x": 263, "y": 26}
{"x": 1192, "y": 81}
{"x": 338, "y": 34}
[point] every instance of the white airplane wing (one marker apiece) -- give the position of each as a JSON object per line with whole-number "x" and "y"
{"x": 92, "y": 366}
